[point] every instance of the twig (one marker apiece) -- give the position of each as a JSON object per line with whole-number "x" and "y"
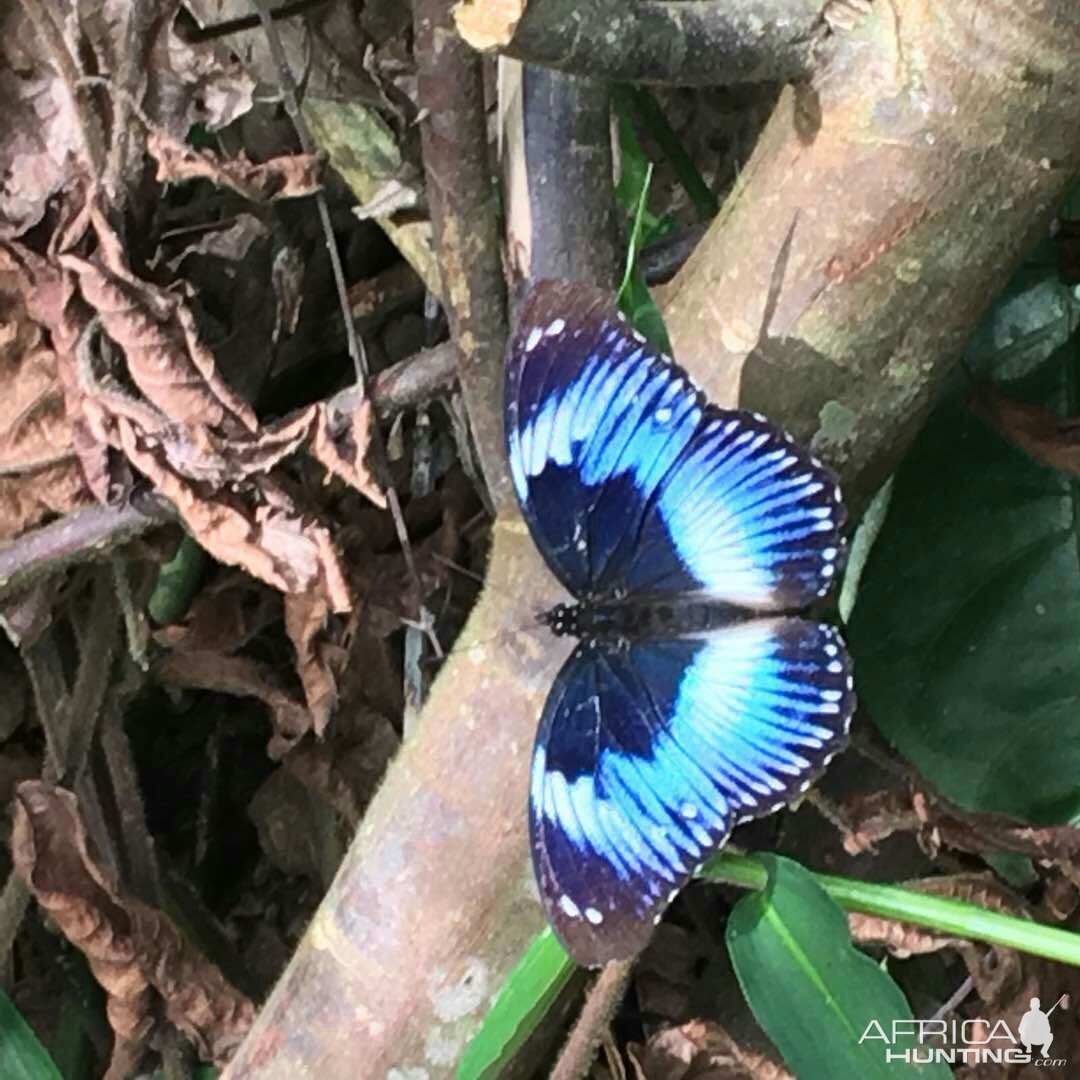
{"x": 14, "y": 901}
{"x": 414, "y": 380}
{"x": 141, "y": 869}
{"x": 356, "y": 348}
{"x": 955, "y": 1000}
{"x": 135, "y": 627}
{"x": 464, "y": 215}
{"x": 56, "y": 712}
{"x": 703, "y": 44}
{"x": 96, "y": 531}
{"x": 97, "y": 643}
{"x": 601, "y": 1002}
{"x": 249, "y": 22}
{"x": 92, "y": 532}
{"x": 307, "y": 144}
{"x": 46, "y": 673}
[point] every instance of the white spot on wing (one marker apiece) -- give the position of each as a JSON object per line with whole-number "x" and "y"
{"x": 594, "y": 916}
{"x": 569, "y": 907}
{"x": 533, "y": 339}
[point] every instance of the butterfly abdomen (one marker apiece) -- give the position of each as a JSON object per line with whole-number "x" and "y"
{"x": 640, "y": 619}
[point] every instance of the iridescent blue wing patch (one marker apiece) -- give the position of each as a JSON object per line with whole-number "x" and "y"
{"x": 647, "y": 755}
{"x": 632, "y": 484}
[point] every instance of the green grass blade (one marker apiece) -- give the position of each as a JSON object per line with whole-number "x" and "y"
{"x": 642, "y": 104}
{"x": 525, "y": 997}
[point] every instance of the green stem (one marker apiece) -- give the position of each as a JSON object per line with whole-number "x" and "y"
{"x": 640, "y": 101}
{"x": 957, "y": 918}
{"x": 635, "y": 235}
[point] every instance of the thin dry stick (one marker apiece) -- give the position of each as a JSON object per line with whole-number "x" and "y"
{"x": 249, "y": 22}
{"x": 356, "y": 349}
{"x": 137, "y": 844}
{"x": 14, "y": 901}
{"x": 126, "y": 146}
{"x": 98, "y": 641}
{"x": 601, "y": 1003}
{"x": 287, "y": 86}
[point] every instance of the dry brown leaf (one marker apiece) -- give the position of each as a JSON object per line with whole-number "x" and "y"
{"x": 225, "y": 615}
{"x": 700, "y": 1048}
{"x": 900, "y": 939}
{"x": 319, "y": 660}
{"x": 1050, "y": 439}
{"x": 40, "y": 472}
{"x": 182, "y": 84}
{"x": 132, "y": 949}
{"x": 264, "y": 533}
{"x": 40, "y": 143}
{"x": 340, "y": 443}
{"x": 287, "y": 177}
{"x": 164, "y": 356}
{"x": 242, "y": 677}
{"x": 51, "y": 299}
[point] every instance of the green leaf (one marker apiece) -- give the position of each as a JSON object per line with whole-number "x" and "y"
{"x": 22, "y": 1057}
{"x": 529, "y": 991}
{"x": 812, "y": 991}
{"x": 965, "y": 628}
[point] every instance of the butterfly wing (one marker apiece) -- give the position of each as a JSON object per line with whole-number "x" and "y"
{"x": 631, "y": 483}
{"x": 646, "y": 757}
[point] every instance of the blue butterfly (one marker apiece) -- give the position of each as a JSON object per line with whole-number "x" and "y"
{"x": 686, "y": 533}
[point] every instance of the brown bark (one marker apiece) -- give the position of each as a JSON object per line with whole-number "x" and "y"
{"x": 464, "y": 215}
{"x": 885, "y": 205}
{"x": 915, "y": 170}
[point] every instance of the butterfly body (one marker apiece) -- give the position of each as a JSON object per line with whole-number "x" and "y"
{"x": 690, "y": 537}
{"x": 618, "y": 622}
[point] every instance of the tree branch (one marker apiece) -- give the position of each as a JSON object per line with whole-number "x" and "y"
{"x": 916, "y": 170}
{"x": 694, "y": 42}
{"x": 464, "y": 214}
{"x": 556, "y": 159}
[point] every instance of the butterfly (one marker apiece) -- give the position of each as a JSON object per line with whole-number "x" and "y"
{"x": 687, "y": 535}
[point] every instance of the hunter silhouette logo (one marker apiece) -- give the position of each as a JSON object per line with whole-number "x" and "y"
{"x": 1035, "y": 1027}
{"x": 971, "y": 1042}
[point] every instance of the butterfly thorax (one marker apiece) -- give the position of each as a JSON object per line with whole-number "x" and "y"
{"x": 639, "y": 619}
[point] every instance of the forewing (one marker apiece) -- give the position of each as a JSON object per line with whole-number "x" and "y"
{"x": 646, "y": 757}
{"x": 631, "y": 483}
